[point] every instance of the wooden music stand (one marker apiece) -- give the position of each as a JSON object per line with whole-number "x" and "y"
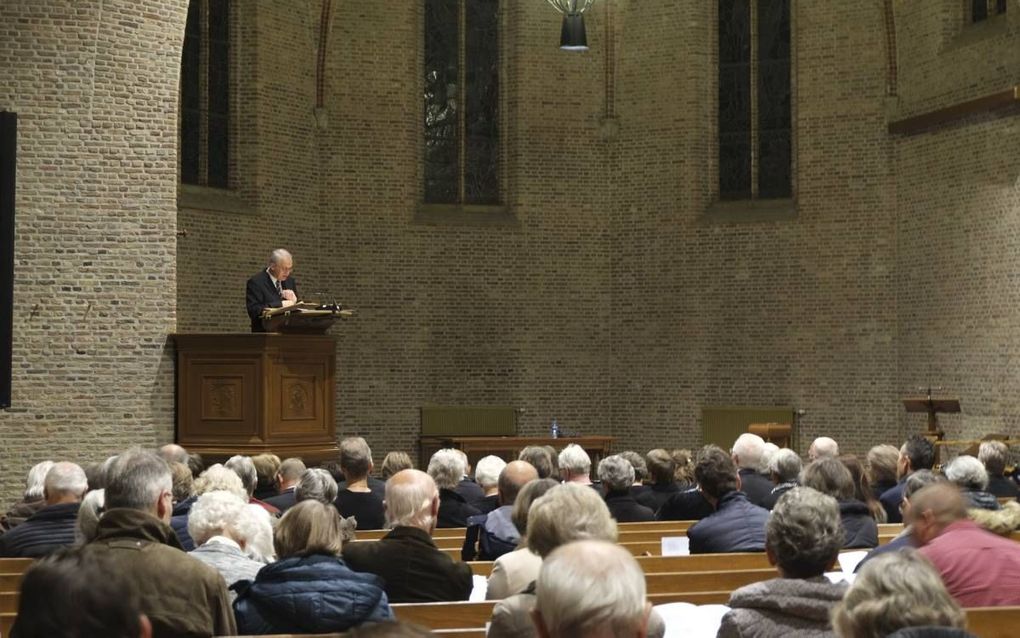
{"x": 932, "y": 407}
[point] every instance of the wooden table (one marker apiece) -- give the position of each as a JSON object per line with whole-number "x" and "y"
{"x": 507, "y": 447}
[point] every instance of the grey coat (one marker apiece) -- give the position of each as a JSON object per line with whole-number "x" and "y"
{"x": 229, "y": 561}
{"x": 782, "y": 607}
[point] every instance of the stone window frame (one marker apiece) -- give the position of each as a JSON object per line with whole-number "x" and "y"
{"x": 754, "y": 210}
{"x": 201, "y": 196}
{"x": 461, "y": 214}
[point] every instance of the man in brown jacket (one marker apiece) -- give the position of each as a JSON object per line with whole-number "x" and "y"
{"x": 181, "y": 596}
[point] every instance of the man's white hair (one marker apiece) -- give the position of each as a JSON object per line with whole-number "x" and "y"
{"x": 66, "y": 478}
{"x": 968, "y": 473}
{"x": 245, "y": 468}
{"x": 447, "y": 468}
{"x": 616, "y": 473}
{"x": 591, "y": 588}
{"x": 768, "y": 451}
{"x": 824, "y": 448}
{"x": 35, "y": 483}
{"x": 487, "y": 471}
{"x": 409, "y": 502}
{"x": 213, "y": 514}
{"x": 568, "y": 512}
{"x": 747, "y": 450}
{"x": 574, "y": 460}
{"x": 279, "y": 255}
{"x": 786, "y": 464}
{"x": 995, "y": 455}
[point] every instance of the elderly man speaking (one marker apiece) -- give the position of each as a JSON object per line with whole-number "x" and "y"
{"x": 271, "y": 288}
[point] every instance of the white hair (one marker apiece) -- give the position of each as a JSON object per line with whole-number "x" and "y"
{"x": 447, "y": 467}
{"x": 591, "y": 588}
{"x": 36, "y": 481}
{"x": 487, "y": 471}
{"x": 568, "y": 512}
{"x": 616, "y": 473}
{"x": 256, "y": 526}
{"x": 66, "y": 478}
{"x": 216, "y": 477}
{"x": 245, "y": 468}
{"x": 994, "y": 454}
{"x": 279, "y": 255}
{"x": 786, "y": 464}
{"x": 213, "y": 514}
{"x": 87, "y": 523}
{"x": 574, "y": 460}
{"x": 768, "y": 451}
{"x": 968, "y": 473}
{"x": 824, "y": 448}
{"x": 409, "y": 501}
{"x": 316, "y": 484}
{"x": 137, "y": 480}
{"x": 748, "y": 449}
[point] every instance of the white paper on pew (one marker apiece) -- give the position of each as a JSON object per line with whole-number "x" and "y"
{"x": 676, "y": 546}
{"x": 479, "y": 586}
{"x": 848, "y": 560}
{"x": 684, "y": 620}
{"x": 840, "y": 577}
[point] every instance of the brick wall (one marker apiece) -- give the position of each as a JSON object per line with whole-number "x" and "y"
{"x": 95, "y": 88}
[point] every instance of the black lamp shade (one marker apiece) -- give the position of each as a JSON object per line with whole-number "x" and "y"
{"x": 572, "y": 35}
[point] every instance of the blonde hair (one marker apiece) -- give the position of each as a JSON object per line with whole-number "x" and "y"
{"x": 568, "y": 512}
{"x": 893, "y": 591}
{"x": 394, "y": 462}
{"x": 310, "y": 527}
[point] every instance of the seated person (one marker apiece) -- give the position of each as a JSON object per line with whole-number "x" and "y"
{"x": 880, "y": 466}
{"x": 970, "y": 475}
{"x": 316, "y": 484}
{"x": 221, "y": 525}
{"x": 287, "y": 478}
{"x": 514, "y": 571}
{"x": 309, "y": 589}
{"x": 356, "y": 498}
{"x": 905, "y": 539}
{"x": 784, "y": 470}
{"x": 803, "y": 539}
{"x": 447, "y": 468}
{"x": 994, "y": 455}
{"x": 747, "y": 453}
{"x": 617, "y": 476}
{"x": 640, "y": 472}
{"x": 737, "y": 525}
{"x": 661, "y": 469}
{"x": 830, "y": 476}
{"x": 917, "y": 453}
{"x": 487, "y": 476}
{"x": 52, "y": 527}
{"x": 407, "y": 558}
{"x": 491, "y": 535}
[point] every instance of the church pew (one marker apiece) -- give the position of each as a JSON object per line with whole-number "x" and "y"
{"x": 658, "y": 564}
{"x": 9, "y": 602}
{"x": 624, "y": 528}
{"x": 459, "y": 615}
{"x": 993, "y": 622}
{"x": 663, "y": 583}
{"x": 695, "y": 598}
{"x": 11, "y": 581}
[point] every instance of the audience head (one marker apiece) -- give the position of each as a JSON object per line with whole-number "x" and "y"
{"x": 716, "y": 472}
{"x": 638, "y": 463}
{"x": 65, "y": 483}
{"x": 86, "y": 526}
{"x": 590, "y": 589}
{"x": 95, "y": 474}
{"x": 75, "y": 593}
{"x": 140, "y": 480}
{"x": 540, "y": 459}
{"x": 684, "y": 473}
{"x": 333, "y": 467}
{"x": 173, "y": 453}
{"x": 195, "y": 464}
{"x": 217, "y": 514}
{"x": 528, "y": 494}
{"x": 747, "y": 451}
{"x": 829, "y": 476}
{"x": 183, "y": 482}
{"x": 823, "y": 448}
{"x": 412, "y": 500}
{"x": 355, "y": 459}
{"x": 574, "y": 463}
{"x": 447, "y": 468}
{"x": 514, "y": 476}
{"x": 881, "y": 464}
{"x": 917, "y": 453}
{"x": 661, "y": 467}
{"x": 245, "y": 469}
{"x": 967, "y": 472}
{"x": 464, "y": 459}
{"x": 862, "y": 488}
{"x": 767, "y": 453}
{"x": 804, "y": 533}
{"x": 785, "y": 466}
{"x": 995, "y": 455}
{"x": 487, "y": 472}
{"x": 566, "y": 513}
{"x": 266, "y": 467}
{"x": 318, "y": 485}
{"x": 35, "y": 484}
{"x": 310, "y": 527}
{"x": 616, "y": 474}
{"x": 933, "y": 508}
{"x": 289, "y": 473}
{"x": 281, "y": 263}
{"x": 216, "y": 477}
{"x": 554, "y": 458}
{"x": 257, "y": 527}
{"x": 395, "y": 462}
{"x": 915, "y": 483}
{"x": 893, "y": 591}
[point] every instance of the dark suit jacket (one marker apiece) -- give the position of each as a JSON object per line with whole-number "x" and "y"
{"x": 261, "y": 294}
{"x": 284, "y": 500}
{"x": 413, "y": 568}
{"x": 736, "y": 526}
{"x": 756, "y": 486}
{"x": 688, "y": 505}
{"x": 454, "y": 509}
{"x": 625, "y": 509}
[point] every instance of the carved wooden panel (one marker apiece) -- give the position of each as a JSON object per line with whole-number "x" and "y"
{"x": 297, "y": 398}
{"x": 222, "y": 398}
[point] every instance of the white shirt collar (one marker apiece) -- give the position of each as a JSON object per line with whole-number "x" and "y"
{"x": 271, "y": 277}
{"x": 223, "y": 540}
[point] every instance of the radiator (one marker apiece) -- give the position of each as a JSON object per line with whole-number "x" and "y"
{"x": 722, "y": 425}
{"x": 444, "y": 420}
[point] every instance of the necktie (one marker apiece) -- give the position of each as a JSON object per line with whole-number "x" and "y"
{"x": 279, "y": 288}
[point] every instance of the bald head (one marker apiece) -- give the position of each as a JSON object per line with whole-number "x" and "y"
{"x": 512, "y": 478}
{"x": 933, "y": 508}
{"x": 173, "y": 453}
{"x": 412, "y": 500}
{"x": 823, "y": 448}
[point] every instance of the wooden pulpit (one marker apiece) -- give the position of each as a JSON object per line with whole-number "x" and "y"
{"x": 254, "y": 393}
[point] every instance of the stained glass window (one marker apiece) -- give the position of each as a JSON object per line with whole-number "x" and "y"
{"x": 461, "y": 101}
{"x": 755, "y": 133}
{"x": 205, "y": 95}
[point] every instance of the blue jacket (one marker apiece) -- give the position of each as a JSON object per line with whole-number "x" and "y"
{"x": 309, "y": 595}
{"x": 736, "y": 526}
{"x": 891, "y": 500}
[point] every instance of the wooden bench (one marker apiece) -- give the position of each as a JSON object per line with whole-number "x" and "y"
{"x": 706, "y": 581}
{"x": 993, "y": 622}
{"x": 459, "y": 615}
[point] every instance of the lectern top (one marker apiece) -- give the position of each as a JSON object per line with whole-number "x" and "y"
{"x": 925, "y": 404}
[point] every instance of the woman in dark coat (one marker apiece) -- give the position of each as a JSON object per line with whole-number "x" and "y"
{"x": 309, "y": 589}
{"x": 830, "y": 476}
